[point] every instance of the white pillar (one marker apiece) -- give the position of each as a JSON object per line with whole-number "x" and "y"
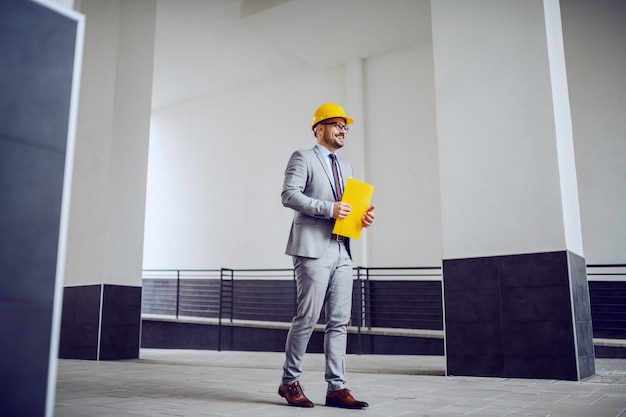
{"x": 41, "y": 55}
{"x": 512, "y": 242}
{"x": 356, "y": 150}
{"x": 595, "y": 47}
{"x": 103, "y": 280}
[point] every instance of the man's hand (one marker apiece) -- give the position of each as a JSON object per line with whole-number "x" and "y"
{"x": 368, "y": 217}
{"x": 341, "y": 210}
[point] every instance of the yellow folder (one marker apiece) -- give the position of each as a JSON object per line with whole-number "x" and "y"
{"x": 359, "y": 195}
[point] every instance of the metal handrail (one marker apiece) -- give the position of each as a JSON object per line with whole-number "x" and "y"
{"x": 610, "y": 272}
{"x": 365, "y": 277}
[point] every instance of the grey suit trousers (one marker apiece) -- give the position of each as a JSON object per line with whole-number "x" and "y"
{"x": 324, "y": 282}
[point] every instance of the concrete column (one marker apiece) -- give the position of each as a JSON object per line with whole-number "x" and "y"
{"x": 515, "y": 287}
{"x": 40, "y": 55}
{"x": 355, "y": 150}
{"x": 102, "y": 299}
{"x": 595, "y": 48}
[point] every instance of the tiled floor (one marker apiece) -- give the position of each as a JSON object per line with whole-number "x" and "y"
{"x": 210, "y": 383}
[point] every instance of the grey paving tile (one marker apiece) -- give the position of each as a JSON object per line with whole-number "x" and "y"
{"x": 227, "y": 384}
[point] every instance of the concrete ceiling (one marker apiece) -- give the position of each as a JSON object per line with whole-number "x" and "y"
{"x": 204, "y": 46}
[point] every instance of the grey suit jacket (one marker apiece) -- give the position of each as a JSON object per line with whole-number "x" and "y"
{"x": 308, "y": 190}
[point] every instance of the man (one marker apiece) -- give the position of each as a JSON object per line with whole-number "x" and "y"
{"x": 322, "y": 261}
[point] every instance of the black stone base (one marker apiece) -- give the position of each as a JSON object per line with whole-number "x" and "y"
{"x": 100, "y": 322}
{"x": 162, "y": 334}
{"x": 518, "y": 316}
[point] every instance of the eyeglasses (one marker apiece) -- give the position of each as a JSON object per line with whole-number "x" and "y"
{"x": 337, "y": 125}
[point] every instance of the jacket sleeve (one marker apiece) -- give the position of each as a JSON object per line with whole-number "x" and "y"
{"x": 298, "y": 191}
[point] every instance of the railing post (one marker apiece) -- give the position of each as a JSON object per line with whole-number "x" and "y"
{"x": 177, "y": 292}
{"x": 367, "y": 315}
{"x": 223, "y": 299}
{"x": 232, "y": 295}
{"x": 361, "y": 307}
{"x": 219, "y": 312}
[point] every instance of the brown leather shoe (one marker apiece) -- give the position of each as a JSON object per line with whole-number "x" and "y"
{"x": 343, "y": 399}
{"x": 294, "y": 395}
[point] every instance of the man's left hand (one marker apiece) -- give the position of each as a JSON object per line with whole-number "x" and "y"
{"x": 368, "y": 217}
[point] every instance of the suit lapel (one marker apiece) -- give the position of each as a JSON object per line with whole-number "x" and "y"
{"x": 322, "y": 159}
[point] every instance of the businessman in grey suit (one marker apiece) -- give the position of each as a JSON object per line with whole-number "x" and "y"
{"x": 313, "y": 186}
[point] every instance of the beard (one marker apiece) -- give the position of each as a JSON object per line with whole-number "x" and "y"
{"x": 333, "y": 141}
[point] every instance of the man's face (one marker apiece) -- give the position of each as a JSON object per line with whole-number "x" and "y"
{"x": 330, "y": 135}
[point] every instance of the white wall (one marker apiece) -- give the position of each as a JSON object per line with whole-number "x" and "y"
{"x": 216, "y": 169}
{"x": 217, "y": 162}
{"x": 201, "y": 214}
{"x": 401, "y": 159}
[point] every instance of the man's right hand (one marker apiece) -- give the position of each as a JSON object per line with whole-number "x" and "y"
{"x": 341, "y": 210}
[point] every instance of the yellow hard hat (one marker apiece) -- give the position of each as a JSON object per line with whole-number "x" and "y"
{"x": 328, "y": 111}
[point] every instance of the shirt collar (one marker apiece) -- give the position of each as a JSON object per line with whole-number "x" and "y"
{"x": 323, "y": 150}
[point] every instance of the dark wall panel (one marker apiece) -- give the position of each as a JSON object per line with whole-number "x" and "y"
{"x": 582, "y": 315}
{"x": 121, "y": 322}
{"x": 608, "y": 309}
{"x": 390, "y": 304}
{"x": 100, "y": 322}
{"x": 80, "y": 323}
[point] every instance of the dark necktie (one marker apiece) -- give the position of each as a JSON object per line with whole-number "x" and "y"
{"x": 336, "y": 177}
